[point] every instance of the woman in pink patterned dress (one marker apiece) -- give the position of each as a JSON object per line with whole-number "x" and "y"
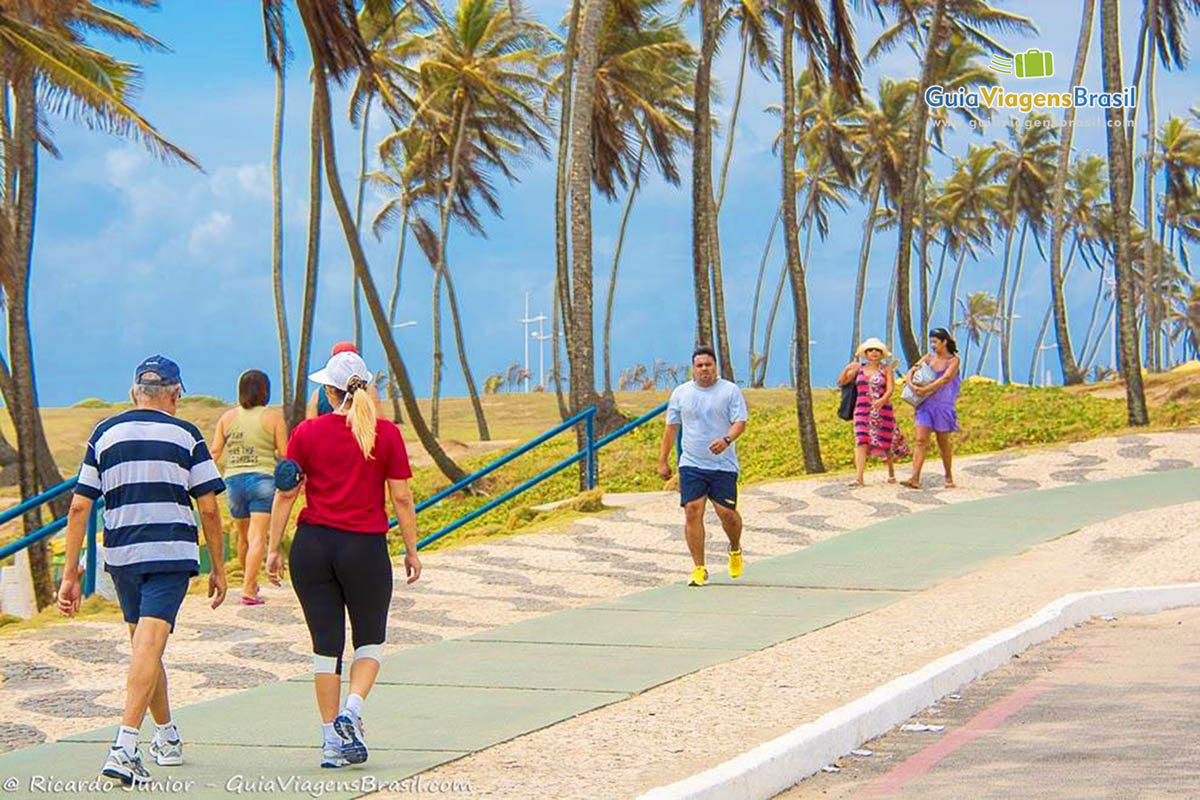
{"x": 875, "y": 429}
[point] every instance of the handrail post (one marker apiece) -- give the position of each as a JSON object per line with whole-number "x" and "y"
{"x": 89, "y": 573}
{"x": 590, "y": 427}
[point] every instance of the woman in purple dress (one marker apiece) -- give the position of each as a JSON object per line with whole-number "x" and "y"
{"x": 937, "y": 414}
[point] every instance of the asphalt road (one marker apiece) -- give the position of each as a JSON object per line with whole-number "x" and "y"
{"x": 1108, "y": 710}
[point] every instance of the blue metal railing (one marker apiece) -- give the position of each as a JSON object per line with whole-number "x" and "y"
{"x": 51, "y": 528}
{"x": 590, "y": 448}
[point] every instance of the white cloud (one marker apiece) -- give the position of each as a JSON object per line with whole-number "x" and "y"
{"x": 212, "y": 231}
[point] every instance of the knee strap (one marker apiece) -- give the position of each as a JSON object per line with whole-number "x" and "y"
{"x": 374, "y": 651}
{"x": 326, "y": 665}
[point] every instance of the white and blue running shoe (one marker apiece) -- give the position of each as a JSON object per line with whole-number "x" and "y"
{"x": 128, "y": 769}
{"x": 350, "y": 728}
{"x": 331, "y": 756}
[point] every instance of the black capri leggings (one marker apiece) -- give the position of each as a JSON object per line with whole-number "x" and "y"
{"x": 336, "y": 571}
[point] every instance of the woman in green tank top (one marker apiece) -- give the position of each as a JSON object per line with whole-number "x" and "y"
{"x": 249, "y": 439}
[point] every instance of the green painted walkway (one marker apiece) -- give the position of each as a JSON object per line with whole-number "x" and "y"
{"x": 438, "y": 702}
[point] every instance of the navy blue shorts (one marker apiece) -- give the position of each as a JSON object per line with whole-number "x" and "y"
{"x": 717, "y": 485}
{"x": 250, "y": 493}
{"x": 151, "y": 594}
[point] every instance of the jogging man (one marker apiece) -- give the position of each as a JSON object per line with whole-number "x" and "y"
{"x": 149, "y": 467}
{"x": 713, "y": 414}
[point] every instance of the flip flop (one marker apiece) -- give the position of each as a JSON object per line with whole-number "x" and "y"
{"x": 910, "y": 484}
{"x": 252, "y": 601}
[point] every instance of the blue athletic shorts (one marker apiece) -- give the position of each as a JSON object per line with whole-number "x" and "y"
{"x": 717, "y": 485}
{"x": 151, "y": 594}
{"x": 250, "y": 493}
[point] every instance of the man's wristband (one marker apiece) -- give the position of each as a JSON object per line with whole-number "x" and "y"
{"x": 727, "y": 440}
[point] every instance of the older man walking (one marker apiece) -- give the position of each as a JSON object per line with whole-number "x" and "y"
{"x": 713, "y": 414}
{"x": 149, "y": 466}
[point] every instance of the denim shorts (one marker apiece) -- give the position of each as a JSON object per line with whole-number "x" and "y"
{"x": 250, "y": 493}
{"x": 151, "y": 594}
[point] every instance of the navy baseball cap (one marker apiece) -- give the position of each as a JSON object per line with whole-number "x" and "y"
{"x": 166, "y": 370}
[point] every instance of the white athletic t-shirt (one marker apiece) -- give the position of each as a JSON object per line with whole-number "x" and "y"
{"x": 707, "y": 414}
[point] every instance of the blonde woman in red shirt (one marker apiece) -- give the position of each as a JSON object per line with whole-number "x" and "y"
{"x": 339, "y": 558}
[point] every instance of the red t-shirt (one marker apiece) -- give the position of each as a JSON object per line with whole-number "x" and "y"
{"x": 345, "y": 490}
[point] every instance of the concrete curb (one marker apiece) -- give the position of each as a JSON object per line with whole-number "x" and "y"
{"x": 776, "y": 765}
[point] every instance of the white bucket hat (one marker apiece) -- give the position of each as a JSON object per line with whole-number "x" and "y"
{"x": 873, "y": 344}
{"x": 340, "y": 369}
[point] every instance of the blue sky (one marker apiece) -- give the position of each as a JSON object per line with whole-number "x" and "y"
{"x": 134, "y": 257}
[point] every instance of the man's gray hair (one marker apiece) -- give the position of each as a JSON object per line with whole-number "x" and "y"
{"x": 153, "y": 391}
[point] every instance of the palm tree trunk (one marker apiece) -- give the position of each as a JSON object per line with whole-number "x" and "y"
{"x": 1041, "y": 338}
{"x": 435, "y": 390}
{"x": 1010, "y": 314}
{"x": 556, "y": 357}
{"x": 581, "y": 349}
{"x": 395, "y": 363}
{"x": 312, "y": 259}
{"x": 355, "y": 306}
{"x": 762, "y": 270}
{"x": 733, "y": 118}
{"x": 281, "y": 323}
{"x": 24, "y": 410}
{"x": 724, "y": 355}
{"x": 393, "y": 303}
{"x": 47, "y": 471}
{"x": 889, "y": 312}
{"x": 1087, "y": 337}
{"x": 1095, "y": 351}
{"x": 937, "y": 281}
{"x": 809, "y": 444}
{"x": 864, "y": 258}
{"x": 455, "y": 171}
{"x": 914, "y": 169}
{"x": 924, "y": 260}
{"x": 958, "y": 267}
{"x": 701, "y": 172}
{"x": 766, "y": 356}
{"x": 1150, "y": 267}
{"x": 612, "y": 277}
{"x": 1062, "y": 330}
{"x": 562, "y": 278}
{"x": 1010, "y": 227}
{"x": 1120, "y": 192}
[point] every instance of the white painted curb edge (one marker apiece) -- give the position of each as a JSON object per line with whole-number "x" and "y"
{"x": 776, "y": 765}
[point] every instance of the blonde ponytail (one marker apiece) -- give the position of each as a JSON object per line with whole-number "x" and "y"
{"x": 361, "y": 416}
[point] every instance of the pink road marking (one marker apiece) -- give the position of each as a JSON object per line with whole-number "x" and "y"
{"x": 924, "y": 760}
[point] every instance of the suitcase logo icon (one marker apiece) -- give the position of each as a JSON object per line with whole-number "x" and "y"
{"x": 1033, "y": 63}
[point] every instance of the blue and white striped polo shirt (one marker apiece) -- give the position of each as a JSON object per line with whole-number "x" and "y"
{"x": 148, "y": 465}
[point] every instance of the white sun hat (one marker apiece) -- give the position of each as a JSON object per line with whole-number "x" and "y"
{"x": 340, "y": 369}
{"x": 873, "y": 344}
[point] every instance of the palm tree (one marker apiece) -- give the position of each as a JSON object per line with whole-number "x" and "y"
{"x": 389, "y": 38}
{"x": 562, "y": 280}
{"x": 1164, "y": 34}
{"x": 753, "y": 21}
{"x": 1025, "y": 164}
{"x": 1121, "y": 191}
{"x": 829, "y": 40}
{"x": 879, "y": 136}
{"x": 1058, "y": 194}
{"x": 337, "y": 51}
{"x": 480, "y": 76}
{"x": 643, "y": 87}
{"x": 580, "y": 341}
{"x": 941, "y": 19}
{"x": 278, "y": 53}
{"x": 703, "y": 238}
{"x": 49, "y": 68}
{"x": 1085, "y": 190}
{"x": 970, "y": 199}
{"x": 980, "y": 313}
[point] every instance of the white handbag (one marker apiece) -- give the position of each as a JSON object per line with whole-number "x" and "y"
{"x": 922, "y": 377}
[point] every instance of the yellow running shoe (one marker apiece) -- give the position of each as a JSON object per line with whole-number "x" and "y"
{"x": 735, "y": 564}
{"x": 699, "y": 577}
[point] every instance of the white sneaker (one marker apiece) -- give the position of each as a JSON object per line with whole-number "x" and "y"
{"x": 351, "y": 730}
{"x": 166, "y": 753}
{"x": 331, "y": 756}
{"x": 125, "y": 768}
